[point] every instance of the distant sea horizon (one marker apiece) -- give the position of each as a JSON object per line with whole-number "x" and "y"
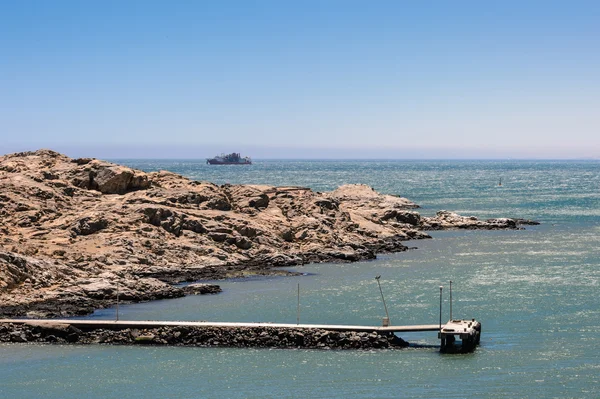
{"x": 369, "y": 159}
{"x": 195, "y": 151}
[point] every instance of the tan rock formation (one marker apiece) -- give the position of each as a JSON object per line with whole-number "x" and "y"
{"x": 70, "y": 229}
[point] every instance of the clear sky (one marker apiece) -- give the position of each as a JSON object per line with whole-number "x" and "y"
{"x": 301, "y": 79}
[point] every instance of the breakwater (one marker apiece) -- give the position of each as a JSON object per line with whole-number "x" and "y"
{"x": 241, "y": 337}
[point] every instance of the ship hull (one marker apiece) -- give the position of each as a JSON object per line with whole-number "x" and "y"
{"x": 216, "y": 162}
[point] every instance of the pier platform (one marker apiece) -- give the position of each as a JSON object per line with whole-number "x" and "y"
{"x": 467, "y": 331}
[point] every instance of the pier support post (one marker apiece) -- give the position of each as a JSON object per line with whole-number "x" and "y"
{"x": 298, "y": 307}
{"x": 386, "y": 321}
{"x": 450, "y": 299}
{"x": 441, "y": 288}
{"x": 117, "y": 316}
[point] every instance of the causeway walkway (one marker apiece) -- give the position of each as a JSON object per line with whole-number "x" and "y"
{"x": 122, "y": 324}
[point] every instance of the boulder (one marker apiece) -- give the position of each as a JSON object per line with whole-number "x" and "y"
{"x": 201, "y": 289}
{"x": 89, "y": 225}
{"x": 109, "y": 178}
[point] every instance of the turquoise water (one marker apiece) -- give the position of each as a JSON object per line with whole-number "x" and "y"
{"x": 535, "y": 291}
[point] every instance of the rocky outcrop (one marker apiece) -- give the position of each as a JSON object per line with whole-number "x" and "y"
{"x": 108, "y": 179}
{"x": 71, "y": 230}
{"x": 445, "y": 220}
{"x": 38, "y": 288}
{"x": 201, "y": 289}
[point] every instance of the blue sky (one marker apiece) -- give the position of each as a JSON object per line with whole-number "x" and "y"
{"x": 309, "y": 79}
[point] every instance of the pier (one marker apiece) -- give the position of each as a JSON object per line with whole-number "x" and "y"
{"x": 123, "y": 324}
{"x": 456, "y": 336}
{"x": 468, "y": 331}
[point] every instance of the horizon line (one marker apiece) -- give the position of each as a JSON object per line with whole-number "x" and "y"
{"x": 360, "y": 159}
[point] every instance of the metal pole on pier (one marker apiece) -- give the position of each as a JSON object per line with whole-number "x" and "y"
{"x": 117, "y": 301}
{"x": 383, "y": 299}
{"x": 441, "y": 288}
{"x": 298, "y": 307}
{"x": 450, "y": 299}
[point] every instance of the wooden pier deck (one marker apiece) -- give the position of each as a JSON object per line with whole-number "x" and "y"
{"x": 123, "y": 324}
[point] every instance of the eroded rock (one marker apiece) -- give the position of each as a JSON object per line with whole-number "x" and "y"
{"x": 71, "y": 229}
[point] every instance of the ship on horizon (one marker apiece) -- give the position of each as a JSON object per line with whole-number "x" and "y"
{"x": 229, "y": 159}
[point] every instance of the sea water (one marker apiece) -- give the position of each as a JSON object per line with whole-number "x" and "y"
{"x": 534, "y": 290}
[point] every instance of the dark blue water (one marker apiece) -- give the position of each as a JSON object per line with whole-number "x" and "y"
{"x": 535, "y": 291}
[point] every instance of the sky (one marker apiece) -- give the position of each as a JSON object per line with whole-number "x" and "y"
{"x": 301, "y": 79}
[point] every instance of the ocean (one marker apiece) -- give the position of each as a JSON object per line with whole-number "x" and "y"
{"x": 534, "y": 290}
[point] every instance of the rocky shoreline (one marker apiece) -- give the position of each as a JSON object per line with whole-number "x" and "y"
{"x": 241, "y": 337}
{"x": 74, "y": 231}
{"x": 101, "y": 299}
